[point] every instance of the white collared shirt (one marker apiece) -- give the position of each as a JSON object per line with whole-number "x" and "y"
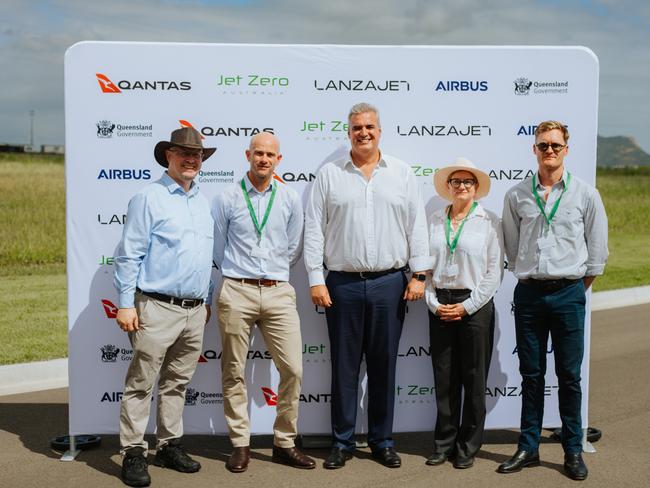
{"x": 478, "y": 257}
{"x": 356, "y": 224}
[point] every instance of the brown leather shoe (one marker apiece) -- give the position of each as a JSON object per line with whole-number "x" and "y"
{"x": 239, "y": 459}
{"x": 292, "y": 457}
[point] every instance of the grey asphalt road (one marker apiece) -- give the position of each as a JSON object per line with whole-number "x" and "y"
{"x": 619, "y": 406}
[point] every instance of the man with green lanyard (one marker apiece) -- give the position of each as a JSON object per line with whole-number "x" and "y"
{"x": 555, "y": 236}
{"x": 257, "y": 237}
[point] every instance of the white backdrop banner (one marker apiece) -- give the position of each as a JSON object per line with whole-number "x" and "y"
{"x": 436, "y": 103}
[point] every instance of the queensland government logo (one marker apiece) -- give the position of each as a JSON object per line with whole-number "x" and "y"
{"x": 109, "y": 353}
{"x": 524, "y": 86}
{"x": 106, "y": 129}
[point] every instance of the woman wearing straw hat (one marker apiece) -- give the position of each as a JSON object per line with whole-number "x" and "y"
{"x": 466, "y": 248}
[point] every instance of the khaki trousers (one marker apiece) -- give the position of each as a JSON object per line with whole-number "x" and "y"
{"x": 273, "y": 308}
{"x": 168, "y": 342}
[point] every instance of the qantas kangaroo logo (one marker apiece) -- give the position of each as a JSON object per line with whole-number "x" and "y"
{"x": 107, "y": 85}
{"x": 185, "y": 123}
{"x": 270, "y": 397}
{"x": 110, "y": 309}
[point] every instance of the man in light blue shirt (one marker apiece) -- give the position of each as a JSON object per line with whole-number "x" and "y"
{"x": 555, "y": 236}
{"x": 257, "y": 237}
{"x": 162, "y": 275}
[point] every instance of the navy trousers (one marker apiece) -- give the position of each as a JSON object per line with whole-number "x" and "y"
{"x": 562, "y": 314}
{"x": 365, "y": 318}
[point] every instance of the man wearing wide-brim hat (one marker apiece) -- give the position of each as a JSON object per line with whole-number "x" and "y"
{"x": 162, "y": 274}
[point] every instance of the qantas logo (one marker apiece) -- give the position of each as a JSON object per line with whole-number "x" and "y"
{"x": 110, "y": 309}
{"x": 270, "y": 397}
{"x": 185, "y": 123}
{"x": 106, "y": 84}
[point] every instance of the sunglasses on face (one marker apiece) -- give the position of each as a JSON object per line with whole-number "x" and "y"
{"x": 543, "y": 147}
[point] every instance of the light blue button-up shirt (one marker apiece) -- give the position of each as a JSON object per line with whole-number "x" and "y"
{"x": 166, "y": 245}
{"x": 579, "y": 229}
{"x": 235, "y": 236}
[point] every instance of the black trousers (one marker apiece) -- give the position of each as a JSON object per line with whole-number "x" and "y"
{"x": 461, "y": 353}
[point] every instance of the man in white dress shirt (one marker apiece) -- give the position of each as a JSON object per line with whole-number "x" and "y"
{"x": 365, "y": 223}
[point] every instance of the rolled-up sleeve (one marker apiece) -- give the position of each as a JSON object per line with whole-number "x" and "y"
{"x": 595, "y": 221}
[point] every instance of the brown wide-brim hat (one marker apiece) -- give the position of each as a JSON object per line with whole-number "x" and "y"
{"x": 461, "y": 164}
{"x": 187, "y": 137}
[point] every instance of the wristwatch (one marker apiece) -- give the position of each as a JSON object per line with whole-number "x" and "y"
{"x": 419, "y": 276}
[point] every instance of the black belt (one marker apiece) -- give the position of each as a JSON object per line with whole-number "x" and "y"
{"x": 368, "y": 275}
{"x": 181, "y": 302}
{"x": 549, "y": 286}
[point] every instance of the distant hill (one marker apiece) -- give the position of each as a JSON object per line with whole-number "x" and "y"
{"x": 620, "y": 151}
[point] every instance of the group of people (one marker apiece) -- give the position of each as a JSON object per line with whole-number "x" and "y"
{"x": 368, "y": 249}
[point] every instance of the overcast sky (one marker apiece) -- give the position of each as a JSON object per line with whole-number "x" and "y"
{"x": 35, "y": 34}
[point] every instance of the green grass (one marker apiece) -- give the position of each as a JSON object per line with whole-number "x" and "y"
{"x": 33, "y": 298}
{"x": 626, "y": 194}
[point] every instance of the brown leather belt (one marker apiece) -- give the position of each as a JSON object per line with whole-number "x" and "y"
{"x": 257, "y": 282}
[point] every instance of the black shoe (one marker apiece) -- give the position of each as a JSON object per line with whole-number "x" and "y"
{"x": 173, "y": 456}
{"x": 574, "y": 467}
{"x": 337, "y": 458}
{"x": 521, "y": 459}
{"x": 388, "y": 457}
{"x": 463, "y": 462}
{"x": 134, "y": 468}
{"x": 436, "y": 459}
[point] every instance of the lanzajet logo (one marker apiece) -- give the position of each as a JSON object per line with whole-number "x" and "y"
{"x": 523, "y": 86}
{"x": 109, "y": 353}
{"x": 362, "y": 85}
{"x": 105, "y": 129}
{"x": 513, "y": 391}
{"x": 115, "y": 219}
{"x": 444, "y": 130}
{"x": 270, "y": 396}
{"x": 461, "y": 86}
{"x": 109, "y": 309}
{"x": 191, "y": 396}
{"x": 415, "y": 352}
{"x": 107, "y": 86}
{"x": 510, "y": 174}
{"x": 124, "y": 174}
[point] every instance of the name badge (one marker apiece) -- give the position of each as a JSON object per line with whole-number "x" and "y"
{"x": 258, "y": 252}
{"x": 546, "y": 242}
{"x": 451, "y": 270}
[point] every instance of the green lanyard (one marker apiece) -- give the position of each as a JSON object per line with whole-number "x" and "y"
{"x": 549, "y": 218}
{"x": 452, "y": 245}
{"x": 257, "y": 225}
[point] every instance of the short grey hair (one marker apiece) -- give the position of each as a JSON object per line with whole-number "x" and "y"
{"x": 363, "y": 108}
